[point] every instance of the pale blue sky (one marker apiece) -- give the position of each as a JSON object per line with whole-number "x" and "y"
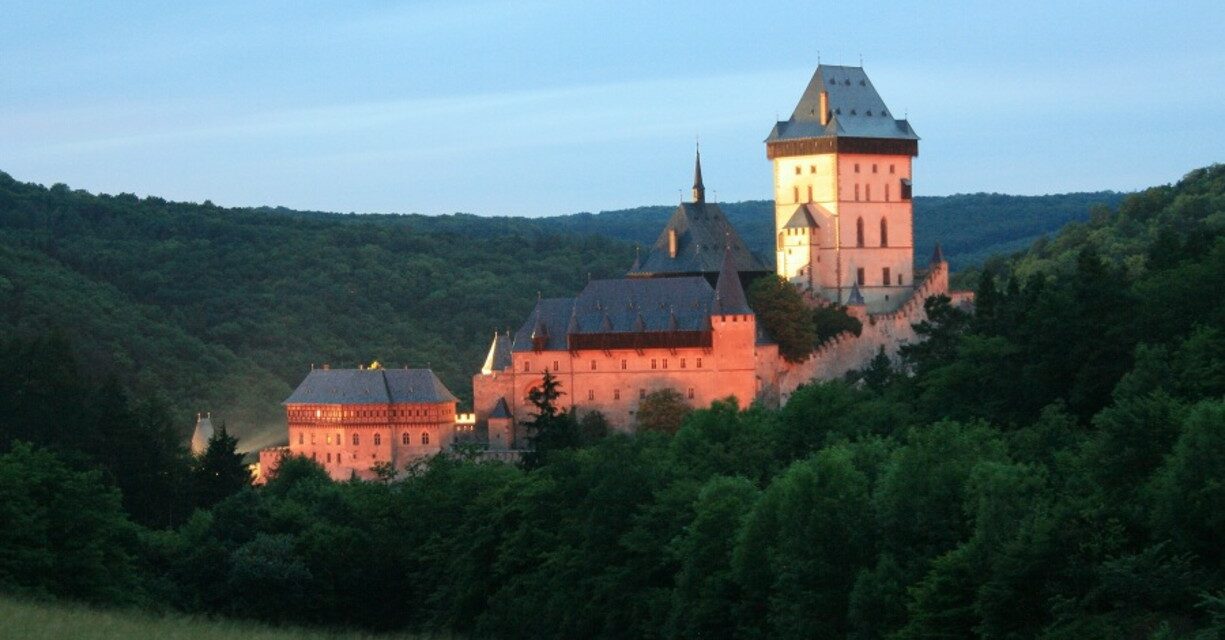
{"x": 537, "y": 107}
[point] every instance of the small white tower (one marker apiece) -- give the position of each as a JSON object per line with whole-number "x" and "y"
{"x": 203, "y": 433}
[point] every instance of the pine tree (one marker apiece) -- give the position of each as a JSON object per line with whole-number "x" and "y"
{"x": 218, "y": 472}
{"x": 549, "y": 429}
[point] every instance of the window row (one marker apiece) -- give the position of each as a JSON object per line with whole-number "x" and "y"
{"x": 405, "y": 439}
{"x": 886, "y": 279}
{"x": 333, "y": 414}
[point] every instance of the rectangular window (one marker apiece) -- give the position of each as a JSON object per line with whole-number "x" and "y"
{"x": 642, "y": 394}
{"x": 797, "y": 170}
{"x": 867, "y": 192}
{"x": 890, "y": 169}
{"x": 885, "y": 278}
{"x": 593, "y": 365}
{"x": 886, "y": 193}
{"x": 856, "y": 167}
{"x": 873, "y": 168}
{"x": 906, "y": 195}
{"x": 859, "y": 276}
{"x": 653, "y": 363}
{"x": 591, "y": 394}
{"x": 795, "y": 194}
{"x": 665, "y": 362}
{"x": 810, "y": 193}
{"x": 682, "y": 363}
{"x": 899, "y": 279}
{"x": 691, "y": 393}
{"x": 623, "y": 364}
{"x": 527, "y": 366}
{"x": 812, "y": 168}
{"x": 616, "y": 394}
{"x": 555, "y": 365}
{"x": 857, "y": 192}
{"x": 699, "y": 364}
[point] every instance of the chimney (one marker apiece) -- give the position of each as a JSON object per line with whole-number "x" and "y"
{"x": 824, "y": 108}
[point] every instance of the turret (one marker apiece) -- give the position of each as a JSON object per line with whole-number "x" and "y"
{"x": 699, "y": 190}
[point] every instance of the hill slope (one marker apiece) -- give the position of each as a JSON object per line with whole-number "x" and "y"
{"x": 223, "y": 310}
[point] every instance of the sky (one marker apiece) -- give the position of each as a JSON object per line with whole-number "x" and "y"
{"x": 543, "y": 108}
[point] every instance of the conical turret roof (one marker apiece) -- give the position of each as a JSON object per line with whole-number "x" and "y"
{"x": 729, "y": 295}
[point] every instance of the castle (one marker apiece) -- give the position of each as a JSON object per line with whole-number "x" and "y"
{"x": 679, "y": 318}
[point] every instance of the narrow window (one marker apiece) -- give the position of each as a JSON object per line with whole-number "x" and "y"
{"x": 616, "y": 394}
{"x": 884, "y": 232}
{"x": 859, "y": 276}
{"x": 591, "y": 394}
{"x": 856, "y": 192}
{"x": 812, "y": 168}
{"x": 856, "y": 167}
{"x": 691, "y": 393}
{"x": 593, "y": 365}
{"x": 623, "y": 364}
{"x": 682, "y": 363}
{"x": 899, "y": 279}
{"x": 404, "y": 439}
{"x": 867, "y": 192}
{"x": 642, "y": 394}
{"x": 338, "y": 439}
{"x": 885, "y": 278}
{"x": 329, "y": 458}
{"x": 906, "y": 189}
{"x": 527, "y": 366}
{"x": 425, "y": 438}
{"x": 797, "y": 170}
{"x": 780, "y": 242}
{"x": 301, "y": 438}
{"x": 378, "y": 439}
{"x": 653, "y": 363}
{"x": 699, "y": 365}
{"x": 890, "y": 169}
{"x": 555, "y": 365}
{"x": 795, "y": 194}
{"x": 859, "y": 232}
{"x": 810, "y": 193}
{"x": 312, "y": 439}
{"x": 665, "y": 363}
{"x": 356, "y": 440}
{"x": 886, "y": 192}
{"x": 873, "y": 168}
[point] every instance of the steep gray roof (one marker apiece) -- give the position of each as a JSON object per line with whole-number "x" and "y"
{"x": 729, "y": 295}
{"x": 622, "y": 306}
{"x": 498, "y": 358}
{"x": 801, "y": 219}
{"x": 500, "y": 410}
{"x": 370, "y": 386}
{"x": 702, "y": 232}
{"x": 856, "y": 109}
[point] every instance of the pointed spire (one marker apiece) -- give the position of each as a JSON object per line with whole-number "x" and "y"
{"x": 856, "y": 297}
{"x": 499, "y": 354}
{"x": 637, "y": 260}
{"x": 673, "y": 325}
{"x": 937, "y": 255}
{"x": 699, "y": 190}
{"x": 729, "y": 295}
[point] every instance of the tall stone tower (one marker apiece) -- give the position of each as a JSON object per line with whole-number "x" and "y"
{"x": 842, "y": 192}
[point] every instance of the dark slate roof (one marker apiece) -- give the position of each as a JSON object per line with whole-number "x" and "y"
{"x": 729, "y": 295}
{"x": 623, "y": 306}
{"x": 500, "y": 410}
{"x": 802, "y": 219}
{"x": 856, "y": 109}
{"x": 498, "y": 358}
{"x": 702, "y": 231}
{"x": 856, "y": 296}
{"x": 370, "y": 386}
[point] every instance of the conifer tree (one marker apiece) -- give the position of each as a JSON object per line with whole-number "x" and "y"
{"x": 218, "y": 472}
{"x": 549, "y": 429}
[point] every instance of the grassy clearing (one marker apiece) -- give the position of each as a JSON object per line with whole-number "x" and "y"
{"x": 58, "y": 621}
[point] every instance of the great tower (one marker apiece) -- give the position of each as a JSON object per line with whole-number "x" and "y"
{"x": 842, "y": 192}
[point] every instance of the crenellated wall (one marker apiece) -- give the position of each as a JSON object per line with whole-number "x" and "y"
{"x": 847, "y": 352}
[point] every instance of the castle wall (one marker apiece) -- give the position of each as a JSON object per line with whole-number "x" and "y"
{"x": 615, "y": 381}
{"x": 348, "y": 439}
{"x": 847, "y": 352}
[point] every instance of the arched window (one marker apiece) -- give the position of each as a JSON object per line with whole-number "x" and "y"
{"x": 859, "y": 232}
{"x": 378, "y": 439}
{"x": 884, "y": 232}
{"x": 404, "y": 439}
{"x": 356, "y": 440}
{"x": 425, "y": 437}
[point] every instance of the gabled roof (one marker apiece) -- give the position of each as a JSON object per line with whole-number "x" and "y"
{"x": 856, "y": 110}
{"x": 628, "y": 305}
{"x": 702, "y": 232}
{"x": 370, "y": 386}
{"x": 729, "y": 295}
{"x": 802, "y": 219}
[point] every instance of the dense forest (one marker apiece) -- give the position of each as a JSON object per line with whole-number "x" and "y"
{"x": 204, "y": 308}
{"x": 1052, "y": 466}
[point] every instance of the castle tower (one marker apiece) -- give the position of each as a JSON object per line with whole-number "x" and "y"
{"x": 844, "y": 161}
